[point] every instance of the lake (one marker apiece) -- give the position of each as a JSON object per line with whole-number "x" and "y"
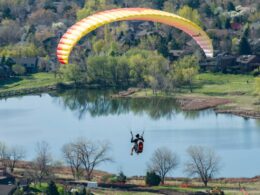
{"x": 61, "y": 117}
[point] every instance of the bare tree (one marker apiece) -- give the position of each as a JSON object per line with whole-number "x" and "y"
{"x": 92, "y": 154}
{"x": 10, "y": 32}
{"x": 202, "y": 162}
{"x": 72, "y": 157}
{"x": 163, "y": 161}
{"x": 14, "y": 154}
{"x": 42, "y": 164}
{"x": 3, "y": 153}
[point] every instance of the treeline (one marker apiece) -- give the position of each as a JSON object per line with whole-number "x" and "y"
{"x": 83, "y": 156}
{"x": 136, "y": 67}
{"x": 33, "y": 28}
{"x": 124, "y": 53}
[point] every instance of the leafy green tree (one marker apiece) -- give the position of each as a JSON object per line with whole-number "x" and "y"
{"x": 52, "y": 189}
{"x": 156, "y": 71}
{"x": 98, "y": 46}
{"x": 18, "y": 69}
{"x": 73, "y": 72}
{"x": 98, "y": 70}
{"x": 138, "y": 65}
{"x": 189, "y": 13}
{"x": 185, "y": 69}
{"x": 92, "y": 6}
{"x": 27, "y": 49}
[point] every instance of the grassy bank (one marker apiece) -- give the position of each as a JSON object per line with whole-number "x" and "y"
{"x": 239, "y": 89}
{"x": 30, "y": 81}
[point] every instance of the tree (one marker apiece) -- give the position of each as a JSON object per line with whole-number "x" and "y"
{"x": 193, "y": 3}
{"x": 10, "y": 32}
{"x": 14, "y": 154}
{"x": 227, "y": 23}
{"x": 18, "y": 69}
{"x": 230, "y": 6}
{"x": 52, "y": 189}
{"x": 189, "y": 13}
{"x": 3, "y": 153}
{"x": 121, "y": 178}
{"x": 98, "y": 70}
{"x": 73, "y": 72}
{"x": 185, "y": 69}
{"x": 92, "y": 155}
{"x": 163, "y": 161}
{"x": 72, "y": 157}
{"x": 156, "y": 71}
{"x": 42, "y": 17}
{"x": 244, "y": 46}
{"x": 203, "y": 162}
{"x": 42, "y": 163}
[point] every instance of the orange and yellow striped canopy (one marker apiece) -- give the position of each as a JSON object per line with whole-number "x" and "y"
{"x": 85, "y": 26}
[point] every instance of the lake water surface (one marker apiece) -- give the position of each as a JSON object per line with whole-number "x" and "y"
{"x": 59, "y": 118}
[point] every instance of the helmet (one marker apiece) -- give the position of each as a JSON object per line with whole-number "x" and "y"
{"x": 137, "y": 135}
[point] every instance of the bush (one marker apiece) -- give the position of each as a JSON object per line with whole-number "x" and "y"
{"x": 52, "y": 189}
{"x": 152, "y": 179}
{"x": 18, "y": 69}
{"x": 18, "y": 192}
{"x": 107, "y": 178}
{"x": 255, "y": 72}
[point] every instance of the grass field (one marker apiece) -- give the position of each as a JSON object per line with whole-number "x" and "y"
{"x": 224, "y": 84}
{"x": 240, "y": 89}
{"x": 31, "y": 81}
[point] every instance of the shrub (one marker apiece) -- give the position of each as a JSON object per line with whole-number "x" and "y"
{"x": 18, "y": 69}
{"x": 121, "y": 178}
{"x": 152, "y": 179}
{"x": 18, "y": 192}
{"x": 52, "y": 189}
{"x": 107, "y": 178}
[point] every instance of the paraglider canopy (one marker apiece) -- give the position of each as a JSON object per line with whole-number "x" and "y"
{"x": 85, "y": 26}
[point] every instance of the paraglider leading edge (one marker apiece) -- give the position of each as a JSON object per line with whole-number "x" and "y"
{"x": 85, "y": 26}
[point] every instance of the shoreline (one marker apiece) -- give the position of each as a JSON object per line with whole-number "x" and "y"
{"x": 45, "y": 89}
{"x": 196, "y": 102}
{"x": 187, "y": 103}
{"x": 60, "y": 170}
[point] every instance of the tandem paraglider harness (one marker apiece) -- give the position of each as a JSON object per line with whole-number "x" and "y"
{"x": 139, "y": 142}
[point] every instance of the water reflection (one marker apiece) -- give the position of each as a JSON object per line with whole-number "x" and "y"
{"x": 100, "y": 103}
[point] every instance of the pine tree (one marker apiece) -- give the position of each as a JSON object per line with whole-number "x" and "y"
{"x": 230, "y": 6}
{"x": 244, "y": 46}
